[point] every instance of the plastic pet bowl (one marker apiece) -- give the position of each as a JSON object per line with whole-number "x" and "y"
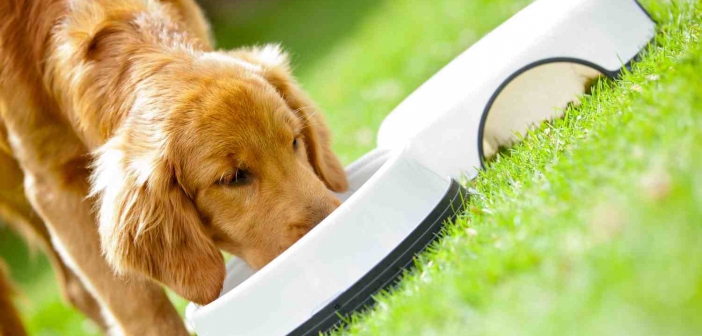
{"x": 524, "y": 72}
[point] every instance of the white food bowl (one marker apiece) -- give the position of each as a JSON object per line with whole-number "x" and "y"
{"x": 400, "y": 193}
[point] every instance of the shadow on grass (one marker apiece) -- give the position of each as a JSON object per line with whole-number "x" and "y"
{"x": 25, "y": 266}
{"x": 322, "y": 22}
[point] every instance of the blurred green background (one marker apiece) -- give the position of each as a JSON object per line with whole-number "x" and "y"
{"x": 358, "y": 59}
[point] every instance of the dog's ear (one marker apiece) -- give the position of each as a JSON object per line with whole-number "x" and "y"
{"x": 317, "y": 137}
{"x": 148, "y": 225}
{"x": 274, "y": 67}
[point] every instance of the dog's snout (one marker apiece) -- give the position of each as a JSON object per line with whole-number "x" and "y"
{"x": 314, "y": 212}
{"x": 320, "y": 209}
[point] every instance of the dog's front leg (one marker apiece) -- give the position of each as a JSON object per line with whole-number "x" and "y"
{"x": 56, "y": 182}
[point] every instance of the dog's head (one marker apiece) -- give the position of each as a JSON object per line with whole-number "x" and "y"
{"x": 225, "y": 153}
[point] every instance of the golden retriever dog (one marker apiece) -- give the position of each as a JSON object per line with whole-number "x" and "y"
{"x": 132, "y": 152}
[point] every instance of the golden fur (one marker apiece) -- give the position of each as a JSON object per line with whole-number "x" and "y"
{"x": 144, "y": 152}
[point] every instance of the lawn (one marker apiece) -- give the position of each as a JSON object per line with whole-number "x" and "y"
{"x": 593, "y": 225}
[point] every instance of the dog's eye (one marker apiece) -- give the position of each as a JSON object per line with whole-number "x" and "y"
{"x": 295, "y": 142}
{"x": 239, "y": 177}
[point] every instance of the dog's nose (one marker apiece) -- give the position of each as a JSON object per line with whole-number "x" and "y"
{"x": 321, "y": 208}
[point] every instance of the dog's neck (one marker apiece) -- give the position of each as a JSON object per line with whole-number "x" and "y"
{"x": 103, "y": 67}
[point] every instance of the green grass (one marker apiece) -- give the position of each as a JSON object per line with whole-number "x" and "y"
{"x": 591, "y": 226}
